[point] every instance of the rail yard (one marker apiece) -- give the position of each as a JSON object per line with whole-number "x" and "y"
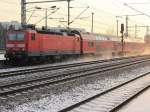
{"x": 74, "y": 56}
{"x": 61, "y": 79}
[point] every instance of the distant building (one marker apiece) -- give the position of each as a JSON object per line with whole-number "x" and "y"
{"x": 7, "y": 25}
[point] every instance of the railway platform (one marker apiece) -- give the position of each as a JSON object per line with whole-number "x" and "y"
{"x": 138, "y": 104}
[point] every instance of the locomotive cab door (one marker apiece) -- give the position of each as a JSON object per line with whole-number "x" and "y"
{"x": 33, "y": 45}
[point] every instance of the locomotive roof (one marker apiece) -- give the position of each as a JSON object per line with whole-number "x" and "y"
{"x": 85, "y": 35}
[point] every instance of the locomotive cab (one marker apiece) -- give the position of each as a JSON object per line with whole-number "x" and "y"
{"x": 15, "y": 45}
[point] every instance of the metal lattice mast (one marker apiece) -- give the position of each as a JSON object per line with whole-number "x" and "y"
{"x": 92, "y": 22}
{"x": 68, "y": 14}
{"x": 127, "y": 26}
{"x": 23, "y": 12}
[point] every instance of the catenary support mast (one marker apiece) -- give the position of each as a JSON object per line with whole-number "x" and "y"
{"x": 23, "y": 12}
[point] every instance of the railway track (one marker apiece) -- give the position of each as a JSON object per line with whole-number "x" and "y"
{"x": 15, "y": 87}
{"x": 114, "y": 98}
{"x": 2, "y": 66}
{"x": 63, "y": 66}
{"x": 1, "y": 62}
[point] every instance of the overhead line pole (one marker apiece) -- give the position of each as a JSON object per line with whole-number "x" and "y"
{"x": 135, "y": 31}
{"x": 147, "y": 27}
{"x": 117, "y": 27}
{"x": 127, "y": 25}
{"x": 68, "y": 14}
{"x": 23, "y": 12}
{"x": 127, "y": 19}
{"x": 92, "y": 22}
{"x": 46, "y": 17}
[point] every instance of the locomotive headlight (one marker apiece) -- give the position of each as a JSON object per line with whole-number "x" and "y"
{"x": 21, "y": 45}
{"x": 22, "y": 49}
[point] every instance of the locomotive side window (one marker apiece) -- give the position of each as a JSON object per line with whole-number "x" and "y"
{"x": 16, "y": 36}
{"x": 33, "y": 36}
{"x": 20, "y": 36}
{"x": 90, "y": 44}
{"x": 12, "y": 36}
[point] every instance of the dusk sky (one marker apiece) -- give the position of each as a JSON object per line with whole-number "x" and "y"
{"x": 105, "y": 12}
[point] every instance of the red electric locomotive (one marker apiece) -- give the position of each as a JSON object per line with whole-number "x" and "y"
{"x": 36, "y": 44}
{"x": 30, "y": 43}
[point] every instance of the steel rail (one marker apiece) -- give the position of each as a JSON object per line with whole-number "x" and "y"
{"x": 2, "y": 66}
{"x": 129, "y": 99}
{"x": 51, "y": 80}
{"x": 72, "y": 107}
{"x": 63, "y": 66}
{"x": 100, "y": 68}
{"x": 107, "y": 91}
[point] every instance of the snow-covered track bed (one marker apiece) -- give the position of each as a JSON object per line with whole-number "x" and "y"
{"x": 36, "y": 69}
{"x": 3, "y": 66}
{"x": 14, "y": 86}
{"x": 113, "y": 98}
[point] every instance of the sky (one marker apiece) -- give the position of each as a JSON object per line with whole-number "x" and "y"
{"x": 105, "y": 12}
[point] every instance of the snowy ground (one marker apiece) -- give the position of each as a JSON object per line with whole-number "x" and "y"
{"x": 66, "y": 94}
{"x": 139, "y": 104}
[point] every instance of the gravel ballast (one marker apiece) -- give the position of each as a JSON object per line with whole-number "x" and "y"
{"x": 56, "y": 98}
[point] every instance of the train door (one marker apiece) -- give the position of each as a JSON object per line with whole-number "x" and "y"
{"x": 33, "y": 45}
{"x": 40, "y": 47}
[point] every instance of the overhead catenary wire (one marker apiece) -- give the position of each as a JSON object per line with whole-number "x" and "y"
{"x": 46, "y": 1}
{"x": 47, "y": 16}
{"x": 35, "y": 9}
{"x": 78, "y": 15}
{"x": 136, "y": 10}
{"x": 76, "y": 18}
{"x": 142, "y": 3}
{"x": 99, "y": 9}
{"x": 31, "y": 15}
{"x": 100, "y": 19}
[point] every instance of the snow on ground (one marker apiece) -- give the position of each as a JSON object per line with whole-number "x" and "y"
{"x": 139, "y": 104}
{"x": 56, "y": 102}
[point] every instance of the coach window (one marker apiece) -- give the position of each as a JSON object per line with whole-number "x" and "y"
{"x": 33, "y": 36}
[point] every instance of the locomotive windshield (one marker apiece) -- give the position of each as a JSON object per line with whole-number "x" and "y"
{"x": 16, "y": 36}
